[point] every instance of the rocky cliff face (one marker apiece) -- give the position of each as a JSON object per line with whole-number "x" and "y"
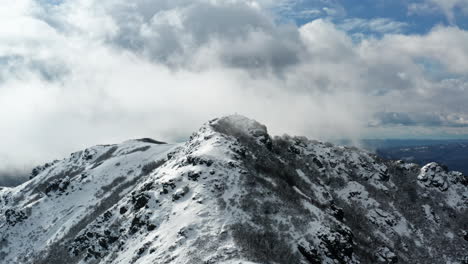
{"x": 233, "y": 194}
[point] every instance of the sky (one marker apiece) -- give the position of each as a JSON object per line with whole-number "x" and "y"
{"x": 79, "y": 73}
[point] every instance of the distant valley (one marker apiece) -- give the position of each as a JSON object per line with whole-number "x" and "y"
{"x": 451, "y": 153}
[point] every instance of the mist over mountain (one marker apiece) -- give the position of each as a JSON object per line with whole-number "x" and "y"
{"x": 81, "y": 73}
{"x": 234, "y": 194}
{"x": 12, "y": 178}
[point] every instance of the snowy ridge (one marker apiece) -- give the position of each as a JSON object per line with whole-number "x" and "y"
{"x": 232, "y": 194}
{"x": 63, "y": 195}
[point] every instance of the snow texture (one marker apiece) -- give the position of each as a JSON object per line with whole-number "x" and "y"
{"x": 233, "y": 194}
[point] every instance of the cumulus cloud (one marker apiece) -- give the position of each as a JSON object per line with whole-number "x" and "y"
{"x": 88, "y": 72}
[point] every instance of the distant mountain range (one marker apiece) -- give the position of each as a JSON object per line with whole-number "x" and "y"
{"x": 451, "y": 153}
{"x": 232, "y": 194}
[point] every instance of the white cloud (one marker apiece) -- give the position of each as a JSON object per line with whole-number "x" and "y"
{"x": 89, "y": 72}
{"x": 308, "y": 9}
{"x": 377, "y": 25}
{"x": 446, "y": 7}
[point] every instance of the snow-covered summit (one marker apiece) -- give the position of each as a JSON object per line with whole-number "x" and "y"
{"x": 240, "y": 124}
{"x": 233, "y": 194}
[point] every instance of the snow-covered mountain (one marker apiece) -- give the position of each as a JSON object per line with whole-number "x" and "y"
{"x": 233, "y": 194}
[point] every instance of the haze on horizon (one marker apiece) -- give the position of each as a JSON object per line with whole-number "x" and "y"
{"x": 79, "y": 73}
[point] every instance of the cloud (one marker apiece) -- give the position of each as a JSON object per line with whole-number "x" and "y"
{"x": 420, "y": 119}
{"x": 308, "y": 9}
{"x": 446, "y": 7}
{"x": 80, "y": 73}
{"x": 376, "y": 25}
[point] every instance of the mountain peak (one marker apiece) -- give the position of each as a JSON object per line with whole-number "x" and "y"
{"x": 242, "y": 128}
{"x": 232, "y": 194}
{"x": 239, "y": 123}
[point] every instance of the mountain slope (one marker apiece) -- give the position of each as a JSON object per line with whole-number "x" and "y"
{"x": 233, "y": 194}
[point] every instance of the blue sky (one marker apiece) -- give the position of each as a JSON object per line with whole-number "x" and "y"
{"x": 419, "y": 21}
